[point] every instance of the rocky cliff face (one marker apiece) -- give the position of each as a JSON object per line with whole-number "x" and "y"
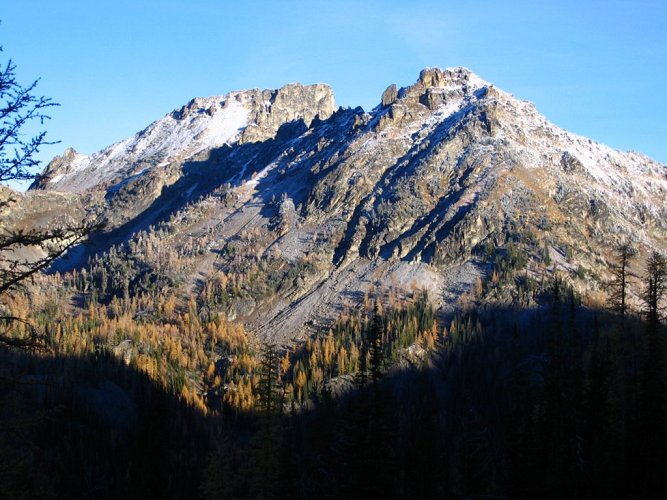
{"x": 451, "y": 161}
{"x": 421, "y": 189}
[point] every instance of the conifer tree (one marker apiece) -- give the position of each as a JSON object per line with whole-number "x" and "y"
{"x": 19, "y": 108}
{"x": 361, "y": 376}
{"x": 655, "y": 290}
{"x": 619, "y": 286}
{"x": 268, "y": 438}
{"x": 652, "y": 429}
{"x": 376, "y": 334}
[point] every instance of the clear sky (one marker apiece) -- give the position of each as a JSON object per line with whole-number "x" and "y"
{"x": 594, "y": 67}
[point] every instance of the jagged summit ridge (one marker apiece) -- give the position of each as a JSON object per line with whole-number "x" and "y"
{"x": 237, "y": 117}
{"x": 203, "y": 123}
{"x": 449, "y": 123}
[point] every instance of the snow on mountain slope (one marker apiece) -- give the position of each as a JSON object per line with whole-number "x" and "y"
{"x": 204, "y": 123}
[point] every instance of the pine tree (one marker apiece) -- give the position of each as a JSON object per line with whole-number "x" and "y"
{"x": 652, "y": 429}
{"x": 621, "y": 275}
{"x": 269, "y": 406}
{"x": 376, "y": 337}
{"x": 361, "y": 376}
{"x": 602, "y": 433}
{"x": 656, "y": 288}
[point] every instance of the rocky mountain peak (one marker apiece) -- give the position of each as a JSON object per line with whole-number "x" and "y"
{"x": 294, "y": 102}
{"x": 435, "y": 87}
{"x": 59, "y": 167}
{"x": 200, "y": 125}
{"x": 432, "y": 77}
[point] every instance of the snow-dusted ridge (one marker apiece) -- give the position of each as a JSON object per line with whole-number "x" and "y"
{"x": 202, "y": 124}
{"x": 417, "y": 115}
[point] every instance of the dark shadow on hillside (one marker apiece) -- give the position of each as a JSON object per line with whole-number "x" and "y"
{"x": 545, "y": 403}
{"x": 542, "y": 403}
{"x": 517, "y": 404}
{"x": 92, "y": 427}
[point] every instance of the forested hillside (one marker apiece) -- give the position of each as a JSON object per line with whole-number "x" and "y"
{"x": 153, "y": 395}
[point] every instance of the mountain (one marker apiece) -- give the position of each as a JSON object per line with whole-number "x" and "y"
{"x": 307, "y": 209}
{"x": 445, "y": 259}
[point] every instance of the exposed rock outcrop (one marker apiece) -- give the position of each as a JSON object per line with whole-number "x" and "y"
{"x": 390, "y": 95}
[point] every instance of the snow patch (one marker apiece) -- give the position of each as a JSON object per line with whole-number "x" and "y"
{"x": 226, "y": 125}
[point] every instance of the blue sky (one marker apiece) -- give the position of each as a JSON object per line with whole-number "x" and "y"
{"x": 597, "y": 68}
